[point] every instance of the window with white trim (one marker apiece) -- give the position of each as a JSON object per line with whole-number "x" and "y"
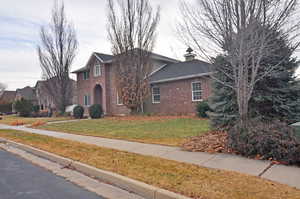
{"x": 119, "y": 99}
{"x": 86, "y": 75}
{"x": 87, "y": 100}
{"x": 155, "y": 95}
{"x": 196, "y": 91}
{"x": 97, "y": 69}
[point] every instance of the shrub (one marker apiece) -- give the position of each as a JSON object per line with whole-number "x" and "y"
{"x": 6, "y": 108}
{"x": 36, "y": 108}
{"x": 268, "y": 140}
{"x": 202, "y": 108}
{"x": 78, "y": 112}
{"x": 96, "y": 111}
{"x": 23, "y": 107}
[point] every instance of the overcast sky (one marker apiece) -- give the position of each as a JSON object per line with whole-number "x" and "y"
{"x": 20, "y": 21}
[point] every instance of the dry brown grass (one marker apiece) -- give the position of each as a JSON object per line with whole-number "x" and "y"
{"x": 37, "y": 123}
{"x": 189, "y": 180}
{"x": 15, "y": 120}
{"x": 17, "y": 123}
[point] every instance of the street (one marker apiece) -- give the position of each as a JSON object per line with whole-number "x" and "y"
{"x": 19, "y": 179}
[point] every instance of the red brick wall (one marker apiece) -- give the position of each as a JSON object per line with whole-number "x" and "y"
{"x": 86, "y": 87}
{"x": 176, "y": 97}
{"x": 114, "y": 108}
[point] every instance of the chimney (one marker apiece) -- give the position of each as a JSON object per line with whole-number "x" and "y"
{"x": 189, "y": 56}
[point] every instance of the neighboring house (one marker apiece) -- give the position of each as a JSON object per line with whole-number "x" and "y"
{"x": 45, "y": 100}
{"x": 176, "y": 87}
{"x": 27, "y": 93}
{"x": 7, "y": 97}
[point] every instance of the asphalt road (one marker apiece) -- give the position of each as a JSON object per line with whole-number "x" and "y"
{"x": 19, "y": 179}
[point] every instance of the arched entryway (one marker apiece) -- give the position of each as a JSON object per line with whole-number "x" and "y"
{"x": 98, "y": 96}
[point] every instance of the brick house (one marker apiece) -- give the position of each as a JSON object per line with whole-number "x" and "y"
{"x": 44, "y": 99}
{"x": 176, "y": 87}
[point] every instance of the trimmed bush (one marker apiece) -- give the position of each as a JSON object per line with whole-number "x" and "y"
{"x": 268, "y": 140}
{"x": 36, "y": 108}
{"x": 202, "y": 109}
{"x": 23, "y": 107}
{"x": 78, "y": 112}
{"x": 96, "y": 111}
{"x": 6, "y": 108}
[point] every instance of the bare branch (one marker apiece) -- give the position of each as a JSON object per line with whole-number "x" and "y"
{"x": 56, "y": 54}
{"x": 132, "y": 32}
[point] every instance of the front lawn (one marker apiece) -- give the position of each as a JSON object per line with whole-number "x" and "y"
{"x": 158, "y": 130}
{"x": 186, "y": 179}
{"x": 11, "y": 119}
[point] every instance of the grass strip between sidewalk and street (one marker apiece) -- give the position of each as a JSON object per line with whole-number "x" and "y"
{"x": 172, "y": 131}
{"x": 186, "y": 179}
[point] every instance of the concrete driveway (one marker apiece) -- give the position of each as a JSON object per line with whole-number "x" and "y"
{"x": 22, "y": 180}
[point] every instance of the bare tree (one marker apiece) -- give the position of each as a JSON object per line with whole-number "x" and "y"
{"x": 132, "y": 31}
{"x": 243, "y": 30}
{"x": 56, "y": 54}
{"x": 2, "y": 88}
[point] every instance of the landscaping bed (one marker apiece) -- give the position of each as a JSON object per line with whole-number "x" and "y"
{"x": 186, "y": 179}
{"x": 16, "y": 120}
{"x": 166, "y": 130}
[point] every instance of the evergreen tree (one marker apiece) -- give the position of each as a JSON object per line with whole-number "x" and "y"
{"x": 277, "y": 96}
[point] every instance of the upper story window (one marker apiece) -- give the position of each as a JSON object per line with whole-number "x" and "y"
{"x": 86, "y": 75}
{"x": 87, "y": 100}
{"x": 155, "y": 95}
{"x": 196, "y": 91}
{"x": 97, "y": 69}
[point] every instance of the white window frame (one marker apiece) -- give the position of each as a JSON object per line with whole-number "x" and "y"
{"x": 88, "y": 76}
{"x": 201, "y": 91}
{"x": 87, "y": 100}
{"x": 97, "y": 69}
{"x": 118, "y": 101}
{"x": 153, "y": 101}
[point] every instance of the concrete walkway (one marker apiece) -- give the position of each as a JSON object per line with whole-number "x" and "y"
{"x": 283, "y": 174}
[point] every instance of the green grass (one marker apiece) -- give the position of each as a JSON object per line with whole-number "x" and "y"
{"x": 168, "y": 131}
{"x": 187, "y": 179}
{"x": 10, "y": 119}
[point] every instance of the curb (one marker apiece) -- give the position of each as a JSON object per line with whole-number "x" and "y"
{"x": 137, "y": 187}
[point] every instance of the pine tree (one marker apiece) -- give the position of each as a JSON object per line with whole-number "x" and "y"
{"x": 277, "y": 96}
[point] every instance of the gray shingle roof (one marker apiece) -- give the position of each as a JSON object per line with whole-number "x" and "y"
{"x": 108, "y": 58}
{"x": 181, "y": 70}
{"x": 7, "y": 96}
{"x": 103, "y": 57}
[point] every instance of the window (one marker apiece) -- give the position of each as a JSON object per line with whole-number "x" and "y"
{"x": 196, "y": 92}
{"x": 119, "y": 99}
{"x": 155, "y": 95}
{"x": 87, "y": 100}
{"x": 86, "y": 75}
{"x": 97, "y": 69}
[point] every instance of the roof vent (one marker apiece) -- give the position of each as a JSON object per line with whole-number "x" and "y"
{"x": 189, "y": 56}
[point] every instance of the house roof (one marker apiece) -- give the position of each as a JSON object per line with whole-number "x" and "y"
{"x": 105, "y": 58}
{"x": 181, "y": 70}
{"x": 8, "y": 96}
{"x": 100, "y": 56}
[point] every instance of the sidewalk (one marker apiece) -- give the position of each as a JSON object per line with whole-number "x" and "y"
{"x": 283, "y": 174}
